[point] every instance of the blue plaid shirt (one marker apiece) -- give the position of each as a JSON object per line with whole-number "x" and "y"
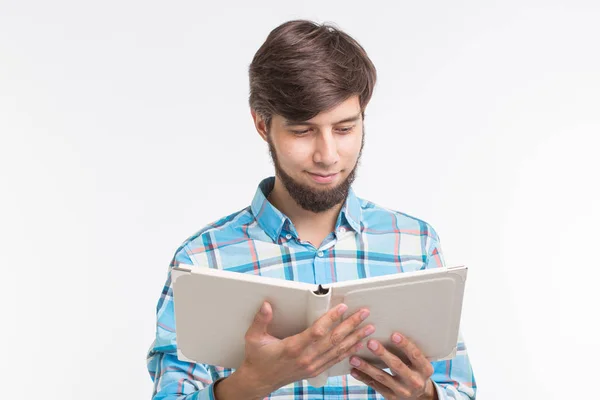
{"x": 368, "y": 241}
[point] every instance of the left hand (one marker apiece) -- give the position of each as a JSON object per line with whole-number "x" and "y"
{"x": 410, "y": 381}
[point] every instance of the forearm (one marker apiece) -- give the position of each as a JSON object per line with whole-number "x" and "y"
{"x": 240, "y": 385}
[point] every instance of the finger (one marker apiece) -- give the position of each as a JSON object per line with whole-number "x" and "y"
{"x": 377, "y": 374}
{"x": 328, "y": 320}
{"x": 340, "y": 336}
{"x": 326, "y": 363}
{"x": 340, "y": 352}
{"x": 322, "y": 326}
{"x": 391, "y": 360}
{"x": 385, "y": 391}
{"x": 414, "y": 380}
{"x": 304, "y": 342}
{"x": 261, "y": 321}
{"x": 417, "y": 359}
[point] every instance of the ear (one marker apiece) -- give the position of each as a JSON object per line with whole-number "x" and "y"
{"x": 259, "y": 124}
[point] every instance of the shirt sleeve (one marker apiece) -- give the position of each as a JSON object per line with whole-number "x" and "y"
{"x": 175, "y": 379}
{"x": 454, "y": 378}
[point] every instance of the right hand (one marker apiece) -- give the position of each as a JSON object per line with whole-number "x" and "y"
{"x": 271, "y": 363}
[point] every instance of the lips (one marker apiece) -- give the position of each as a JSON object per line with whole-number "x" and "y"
{"x": 322, "y": 178}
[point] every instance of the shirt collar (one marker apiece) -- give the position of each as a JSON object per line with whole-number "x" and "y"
{"x": 272, "y": 221}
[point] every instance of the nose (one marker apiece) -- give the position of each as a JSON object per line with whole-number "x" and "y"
{"x": 326, "y": 149}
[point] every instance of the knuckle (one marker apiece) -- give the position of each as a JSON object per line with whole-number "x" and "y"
{"x": 429, "y": 370}
{"x": 416, "y": 354}
{"x": 333, "y": 316}
{"x": 317, "y": 332}
{"x": 304, "y": 362}
{"x": 405, "y": 393}
{"x": 312, "y": 371}
{"x": 397, "y": 365}
{"x": 341, "y": 351}
{"x": 356, "y": 347}
{"x": 292, "y": 351}
{"x": 357, "y": 319}
{"x": 380, "y": 377}
{"x": 416, "y": 382}
{"x": 335, "y": 338}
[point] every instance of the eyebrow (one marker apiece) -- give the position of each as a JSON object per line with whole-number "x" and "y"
{"x": 349, "y": 119}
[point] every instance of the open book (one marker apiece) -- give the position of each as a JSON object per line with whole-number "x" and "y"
{"x": 214, "y": 309}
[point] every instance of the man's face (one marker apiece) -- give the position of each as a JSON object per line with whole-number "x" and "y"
{"x": 316, "y": 160}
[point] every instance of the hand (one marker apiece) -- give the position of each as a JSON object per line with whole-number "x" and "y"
{"x": 409, "y": 380}
{"x": 271, "y": 363}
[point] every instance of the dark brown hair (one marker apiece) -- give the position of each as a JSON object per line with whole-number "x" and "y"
{"x": 304, "y": 68}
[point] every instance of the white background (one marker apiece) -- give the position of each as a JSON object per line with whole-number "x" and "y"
{"x": 124, "y": 128}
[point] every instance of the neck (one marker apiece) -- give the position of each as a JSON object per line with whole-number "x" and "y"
{"x": 303, "y": 220}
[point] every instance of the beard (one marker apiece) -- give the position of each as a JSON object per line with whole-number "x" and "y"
{"x": 310, "y": 199}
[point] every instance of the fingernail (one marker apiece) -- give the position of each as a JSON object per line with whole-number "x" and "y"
{"x": 342, "y": 309}
{"x": 373, "y": 345}
{"x": 396, "y": 338}
{"x": 370, "y": 329}
{"x": 264, "y": 309}
{"x": 355, "y": 361}
{"x": 364, "y": 314}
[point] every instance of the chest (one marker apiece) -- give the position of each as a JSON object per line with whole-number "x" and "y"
{"x": 340, "y": 257}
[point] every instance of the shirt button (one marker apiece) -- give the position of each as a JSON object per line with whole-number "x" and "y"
{"x": 288, "y": 236}
{"x": 320, "y": 254}
{"x": 342, "y": 230}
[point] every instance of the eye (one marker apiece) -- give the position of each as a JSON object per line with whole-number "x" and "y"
{"x": 300, "y": 133}
{"x": 346, "y": 129}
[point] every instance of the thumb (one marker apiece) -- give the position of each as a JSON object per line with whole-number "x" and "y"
{"x": 262, "y": 319}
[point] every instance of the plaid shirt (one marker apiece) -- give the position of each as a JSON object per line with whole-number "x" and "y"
{"x": 368, "y": 241}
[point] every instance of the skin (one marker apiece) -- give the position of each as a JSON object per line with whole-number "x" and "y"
{"x": 321, "y": 145}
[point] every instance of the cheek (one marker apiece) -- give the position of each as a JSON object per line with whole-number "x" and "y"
{"x": 296, "y": 158}
{"x": 349, "y": 149}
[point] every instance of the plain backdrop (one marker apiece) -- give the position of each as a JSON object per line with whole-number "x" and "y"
{"x": 125, "y": 128}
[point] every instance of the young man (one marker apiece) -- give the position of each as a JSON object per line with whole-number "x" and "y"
{"x": 309, "y": 87}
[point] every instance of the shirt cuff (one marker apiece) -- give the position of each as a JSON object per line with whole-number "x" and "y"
{"x": 439, "y": 390}
{"x": 208, "y": 393}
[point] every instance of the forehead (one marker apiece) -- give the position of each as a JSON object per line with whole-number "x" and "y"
{"x": 349, "y": 109}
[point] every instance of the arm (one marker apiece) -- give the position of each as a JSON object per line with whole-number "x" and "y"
{"x": 269, "y": 363}
{"x": 174, "y": 379}
{"x": 453, "y": 379}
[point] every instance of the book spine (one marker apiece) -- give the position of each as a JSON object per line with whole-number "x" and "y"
{"x": 318, "y": 304}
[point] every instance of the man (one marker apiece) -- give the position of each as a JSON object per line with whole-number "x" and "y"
{"x": 309, "y": 87}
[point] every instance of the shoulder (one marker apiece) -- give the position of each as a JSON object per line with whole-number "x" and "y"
{"x": 225, "y": 230}
{"x": 379, "y": 219}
